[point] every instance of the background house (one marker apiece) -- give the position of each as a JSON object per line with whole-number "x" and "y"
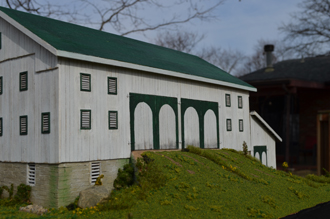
{"x": 290, "y": 95}
{"x": 75, "y": 102}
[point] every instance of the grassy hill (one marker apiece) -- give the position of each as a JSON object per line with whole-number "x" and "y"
{"x": 207, "y": 184}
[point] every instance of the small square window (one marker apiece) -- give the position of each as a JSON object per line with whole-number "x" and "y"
{"x": 240, "y": 102}
{"x": 228, "y": 122}
{"x": 113, "y": 120}
{"x": 85, "y": 82}
{"x": 0, "y": 126}
{"x": 112, "y": 85}
{"x": 85, "y": 119}
{"x": 45, "y": 123}
{"x": 23, "y": 81}
{"x": 23, "y": 125}
{"x": 228, "y": 100}
{"x": 1, "y": 85}
{"x": 240, "y": 125}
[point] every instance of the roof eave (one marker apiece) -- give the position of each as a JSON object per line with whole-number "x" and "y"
{"x": 255, "y": 114}
{"x": 99, "y": 60}
{"x": 30, "y": 34}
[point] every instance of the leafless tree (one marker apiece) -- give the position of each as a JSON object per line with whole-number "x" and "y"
{"x": 186, "y": 41}
{"x": 226, "y": 59}
{"x": 183, "y": 41}
{"x": 309, "y": 30}
{"x": 258, "y": 59}
{"x": 124, "y": 16}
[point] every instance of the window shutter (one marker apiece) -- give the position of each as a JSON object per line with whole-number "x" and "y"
{"x": 23, "y": 81}
{"x": 240, "y": 123}
{"x": 113, "y": 120}
{"x": 85, "y": 119}
{"x": 112, "y": 85}
{"x": 95, "y": 171}
{"x": 240, "y": 102}
{"x": 31, "y": 175}
{"x": 228, "y": 100}
{"x": 45, "y": 123}
{"x": 228, "y": 124}
{"x": 0, "y": 126}
{"x": 0, "y": 85}
{"x": 85, "y": 82}
{"x": 23, "y": 125}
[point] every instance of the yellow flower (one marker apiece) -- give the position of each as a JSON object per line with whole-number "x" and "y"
{"x": 285, "y": 165}
{"x": 74, "y": 212}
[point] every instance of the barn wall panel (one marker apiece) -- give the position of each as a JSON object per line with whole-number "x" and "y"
{"x": 113, "y": 144}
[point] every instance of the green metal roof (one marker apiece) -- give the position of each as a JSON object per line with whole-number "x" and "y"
{"x": 82, "y": 40}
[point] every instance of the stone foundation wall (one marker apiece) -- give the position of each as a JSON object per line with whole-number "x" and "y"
{"x": 58, "y": 185}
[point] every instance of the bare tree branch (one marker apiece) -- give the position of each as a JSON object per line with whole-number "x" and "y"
{"x": 123, "y": 16}
{"x": 183, "y": 41}
{"x": 309, "y": 30}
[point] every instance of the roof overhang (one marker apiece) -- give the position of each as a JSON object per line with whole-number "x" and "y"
{"x": 265, "y": 124}
{"x": 116, "y": 63}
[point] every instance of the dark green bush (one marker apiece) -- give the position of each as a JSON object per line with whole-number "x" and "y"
{"x": 23, "y": 193}
{"x": 125, "y": 177}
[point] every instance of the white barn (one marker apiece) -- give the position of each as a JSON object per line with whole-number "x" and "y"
{"x": 74, "y": 103}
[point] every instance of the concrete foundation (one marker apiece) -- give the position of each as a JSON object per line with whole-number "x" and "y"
{"x": 58, "y": 185}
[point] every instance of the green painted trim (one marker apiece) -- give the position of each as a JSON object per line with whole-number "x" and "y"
{"x": 1, "y": 126}
{"x": 42, "y": 123}
{"x": 229, "y": 125}
{"x": 20, "y": 124}
{"x": 241, "y": 129}
{"x": 20, "y": 81}
{"x": 260, "y": 150}
{"x": 155, "y": 103}
{"x": 240, "y": 106}
{"x": 90, "y": 119}
{"x": 1, "y": 85}
{"x": 90, "y": 82}
{"x": 201, "y": 108}
{"x": 113, "y": 93}
{"x": 228, "y": 103}
{"x": 116, "y": 119}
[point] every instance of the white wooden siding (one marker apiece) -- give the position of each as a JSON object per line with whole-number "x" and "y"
{"x": 191, "y": 128}
{"x": 167, "y": 128}
{"x": 210, "y": 130}
{"x": 260, "y": 137}
{"x": 142, "y": 127}
{"x": 15, "y": 43}
{"x": 41, "y": 96}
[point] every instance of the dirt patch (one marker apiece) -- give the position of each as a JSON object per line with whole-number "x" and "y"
{"x": 191, "y": 172}
{"x": 263, "y": 172}
{"x": 254, "y": 175}
{"x": 192, "y": 158}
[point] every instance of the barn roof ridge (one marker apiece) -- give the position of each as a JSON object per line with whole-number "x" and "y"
{"x": 78, "y": 42}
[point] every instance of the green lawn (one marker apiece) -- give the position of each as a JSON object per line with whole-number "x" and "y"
{"x": 205, "y": 184}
